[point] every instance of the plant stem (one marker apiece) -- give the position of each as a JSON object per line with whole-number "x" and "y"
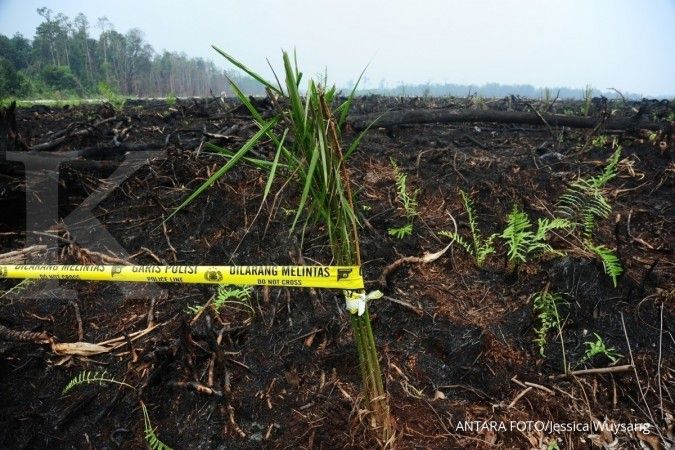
{"x": 346, "y": 250}
{"x": 562, "y": 341}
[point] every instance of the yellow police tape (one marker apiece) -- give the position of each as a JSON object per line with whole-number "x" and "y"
{"x": 338, "y": 277}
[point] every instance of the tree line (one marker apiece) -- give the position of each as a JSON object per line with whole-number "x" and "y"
{"x": 64, "y": 59}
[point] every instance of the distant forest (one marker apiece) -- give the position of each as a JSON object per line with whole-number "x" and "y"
{"x": 64, "y": 60}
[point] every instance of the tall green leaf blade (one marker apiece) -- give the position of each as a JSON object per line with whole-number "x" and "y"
{"x": 273, "y": 169}
{"x": 243, "y": 67}
{"x": 347, "y": 104}
{"x": 220, "y": 172}
{"x": 309, "y": 178}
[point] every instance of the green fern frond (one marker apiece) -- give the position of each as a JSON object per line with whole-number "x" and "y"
{"x": 545, "y": 226}
{"x": 401, "y": 232}
{"x": 407, "y": 198}
{"x": 473, "y": 226}
{"x": 610, "y": 169}
{"x": 545, "y": 306}
{"x": 233, "y": 296}
{"x": 584, "y": 202}
{"x": 459, "y": 239}
{"x": 485, "y": 249}
{"x": 17, "y": 289}
{"x": 517, "y": 235}
{"x": 610, "y": 261}
{"x": 150, "y": 435}
{"x": 89, "y": 377}
{"x": 480, "y": 249}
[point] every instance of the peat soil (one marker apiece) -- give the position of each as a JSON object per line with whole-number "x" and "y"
{"x": 455, "y": 341}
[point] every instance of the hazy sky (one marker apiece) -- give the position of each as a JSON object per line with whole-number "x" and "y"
{"x": 626, "y": 44}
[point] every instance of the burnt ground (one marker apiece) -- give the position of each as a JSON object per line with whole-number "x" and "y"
{"x": 455, "y": 340}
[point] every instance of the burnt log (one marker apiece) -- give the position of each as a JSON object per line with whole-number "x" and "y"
{"x": 422, "y": 116}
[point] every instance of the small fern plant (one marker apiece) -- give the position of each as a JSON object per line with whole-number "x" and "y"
{"x": 19, "y": 288}
{"x": 522, "y": 241}
{"x": 89, "y": 377}
{"x": 597, "y": 348}
{"x": 102, "y": 378}
{"x": 584, "y": 203}
{"x": 545, "y": 307}
{"x": 479, "y": 248}
{"x": 408, "y": 200}
{"x": 235, "y": 297}
{"x": 610, "y": 262}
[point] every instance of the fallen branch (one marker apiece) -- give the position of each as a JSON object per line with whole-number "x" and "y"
{"x": 594, "y": 371}
{"x": 427, "y": 258}
{"x": 19, "y": 256}
{"x": 55, "y": 142}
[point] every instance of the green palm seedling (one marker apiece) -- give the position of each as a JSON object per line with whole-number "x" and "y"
{"x": 315, "y": 161}
{"x": 479, "y": 248}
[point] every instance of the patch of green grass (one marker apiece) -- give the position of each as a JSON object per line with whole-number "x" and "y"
{"x": 111, "y": 96}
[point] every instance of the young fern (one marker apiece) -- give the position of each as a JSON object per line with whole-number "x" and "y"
{"x": 235, "y": 297}
{"x": 408, "y": 200}
{"x": 401, "y": 232}
{"x": 89, "y": 377}
{"x": 150, "y": 436}
{"x": 480, "y": 249}
{"x": 518, "y": 235}
{"x": 522, "y": 241}
{"x": 475, "y": 234}
{"x": 598, "y": 347}
{"x": 545, "y": 306}
{"x": 100, "y": 378}
{"x": 584, "y": 202}
{"x": 19, "y": 288}
{"x": 610, "y": 261}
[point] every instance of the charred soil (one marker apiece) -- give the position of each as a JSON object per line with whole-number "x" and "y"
{"x": 455, "y": 340}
